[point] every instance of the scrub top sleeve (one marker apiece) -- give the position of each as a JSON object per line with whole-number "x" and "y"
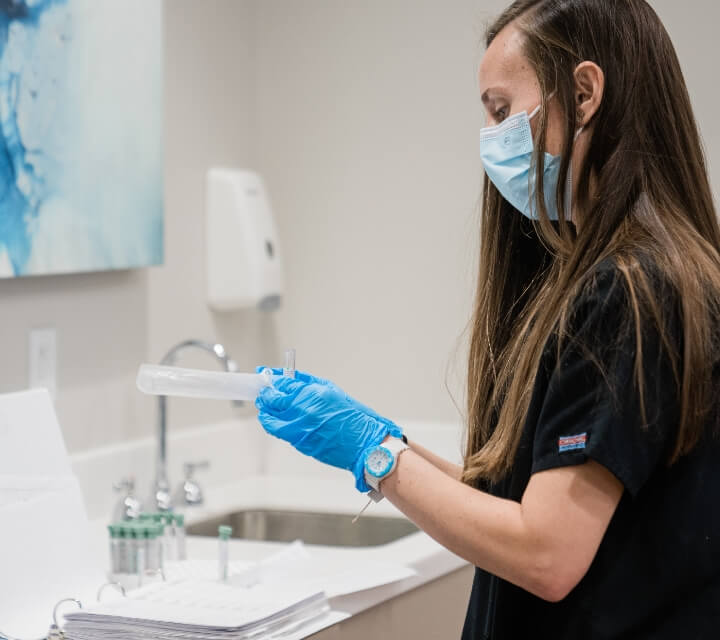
{"x": 591, "y": 409}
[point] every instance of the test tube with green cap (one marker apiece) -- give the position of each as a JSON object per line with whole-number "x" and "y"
{"x": 151, "y": 538}
{"x": 224, "y": 533}
{"x": 141, "y": 535}
{"x": 114, "y": 547}
{"x": 180, "y": 549}
{"x": 122, "y": 555}
{"x": 154, "y": 546}
{"x": 131, "y": 546}
{"x": 167, "y": 538}
{"x": 162, "y": 560}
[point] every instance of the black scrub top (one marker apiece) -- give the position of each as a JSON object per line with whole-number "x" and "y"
{"x": 656, "y": 573}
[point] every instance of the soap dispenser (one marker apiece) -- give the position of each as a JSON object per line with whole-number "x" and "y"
{"x": 244, "y": 265}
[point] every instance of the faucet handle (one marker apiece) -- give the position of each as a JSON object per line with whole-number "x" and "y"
{"x": 128, "y": 507}
{"x": 189, "y": 492}
{"x": 126, "y": 484}
{"x": 189, "y": 468}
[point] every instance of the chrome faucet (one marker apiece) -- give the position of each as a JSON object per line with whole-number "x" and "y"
{"x": 161, "y": 499}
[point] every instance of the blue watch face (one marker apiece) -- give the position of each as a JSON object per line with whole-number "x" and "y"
{"x": 379, "y": 461}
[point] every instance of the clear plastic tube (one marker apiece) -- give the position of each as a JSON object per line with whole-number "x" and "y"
{"x": 224, "y": 533}
{"x": 131, "y": 549}
{"x": 157, "y": 550}
{"x": 196, "y": 383}
{"x": 114, "y": 549}
{"x": 150, "y": 548}
{"x": 289, "y": 368}
{"x": 122, "y": 554}
{"x": 140, "y": 563}
{"x": 180, "y": 536}
{"x": 169, "y": 539}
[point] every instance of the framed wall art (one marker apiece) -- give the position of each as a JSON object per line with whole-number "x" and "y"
{"x": 81, "y": 162}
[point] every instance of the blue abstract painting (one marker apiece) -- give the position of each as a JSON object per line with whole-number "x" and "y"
{"x": 81, "y": 163}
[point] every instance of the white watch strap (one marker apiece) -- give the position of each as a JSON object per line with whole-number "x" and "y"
{"x": 394, "y": 446}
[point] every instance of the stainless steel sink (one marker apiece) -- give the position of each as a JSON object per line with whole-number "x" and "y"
{"x": 332, "y": 529}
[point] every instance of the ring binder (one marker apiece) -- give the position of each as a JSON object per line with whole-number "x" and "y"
{"x": 55, "y": 632}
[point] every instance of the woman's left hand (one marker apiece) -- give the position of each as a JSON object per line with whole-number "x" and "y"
{"x": 322, "y": 421}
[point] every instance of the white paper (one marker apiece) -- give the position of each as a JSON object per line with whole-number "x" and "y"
{"x": 32, "y": 443}
{"x": 343, "y": 578}
{"x": 336, "y": 575}
{"x": 44, "y": 533}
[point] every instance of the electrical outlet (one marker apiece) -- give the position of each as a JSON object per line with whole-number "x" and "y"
{"x": 43, "y": 360}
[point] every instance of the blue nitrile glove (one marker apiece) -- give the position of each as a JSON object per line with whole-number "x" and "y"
{"x": 308, "y": 377}
{"x": 321, "y": 421}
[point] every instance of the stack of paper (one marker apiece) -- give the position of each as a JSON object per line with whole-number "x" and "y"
{"x": 201, "y": 609}
{"x": 282, "y": 596}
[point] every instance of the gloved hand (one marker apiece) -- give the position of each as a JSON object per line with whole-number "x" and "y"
{"x": 322, "y": 421}
{"x": 308, "y": 377}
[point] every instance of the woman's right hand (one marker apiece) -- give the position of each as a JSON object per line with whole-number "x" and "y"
{"x": 311, "y": 379}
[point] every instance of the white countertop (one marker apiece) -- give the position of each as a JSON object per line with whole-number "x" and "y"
{"x": 417, "y": 551}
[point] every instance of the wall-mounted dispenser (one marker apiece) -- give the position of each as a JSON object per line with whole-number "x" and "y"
{"x": 244, "y": 265}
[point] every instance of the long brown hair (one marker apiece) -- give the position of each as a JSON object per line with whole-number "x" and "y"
{"x": 653, "y": 204}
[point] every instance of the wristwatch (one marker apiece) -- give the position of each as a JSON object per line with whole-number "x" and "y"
{"x": 382, "y": 460}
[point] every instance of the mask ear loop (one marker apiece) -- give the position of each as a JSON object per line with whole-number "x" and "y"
{"x": 569, "y": 183}
{"x": 536, "y": 110}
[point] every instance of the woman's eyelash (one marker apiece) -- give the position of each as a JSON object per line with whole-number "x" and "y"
{"x": 500, "y": 114}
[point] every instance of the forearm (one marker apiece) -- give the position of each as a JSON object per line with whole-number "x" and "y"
{"x": 488, "y": 531}
{"x": 544, "y": 544}
{"x": 447, "y": 467}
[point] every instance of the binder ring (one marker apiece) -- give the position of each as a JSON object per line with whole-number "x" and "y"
{"x": 154, "y": 572}
{"x": 102, "y": 588}
{"x": 63, "y": 601}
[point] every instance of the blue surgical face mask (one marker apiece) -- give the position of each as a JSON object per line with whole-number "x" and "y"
{"x": 506, "y": 151}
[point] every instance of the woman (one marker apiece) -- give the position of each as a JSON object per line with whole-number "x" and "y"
{"x": 587, "y": 498}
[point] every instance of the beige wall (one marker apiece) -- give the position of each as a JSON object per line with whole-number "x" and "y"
{"x": 101, "y": 322}
{"x": 366, "y": 120}
{"x": 693, "y": 29}
{"x": 362, "y": 115}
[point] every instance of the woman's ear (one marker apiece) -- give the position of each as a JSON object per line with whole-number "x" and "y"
{"x": 589, "y": 89}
